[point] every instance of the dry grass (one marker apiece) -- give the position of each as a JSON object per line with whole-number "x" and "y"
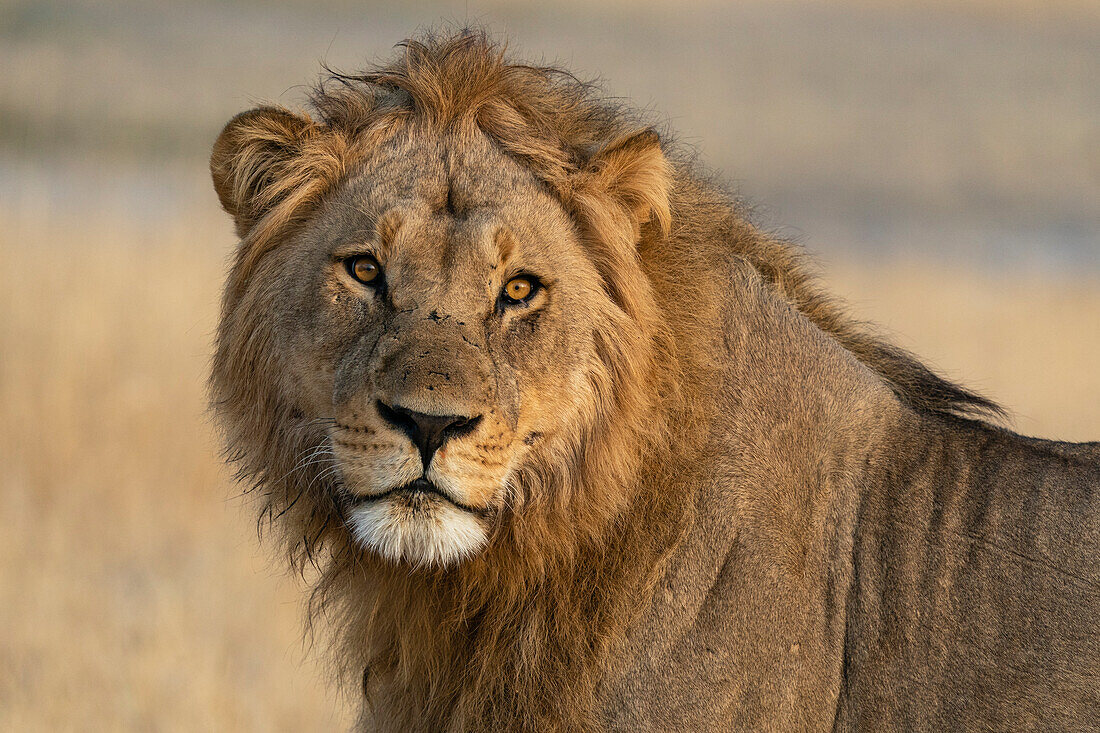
{"x": 132, "y": 596}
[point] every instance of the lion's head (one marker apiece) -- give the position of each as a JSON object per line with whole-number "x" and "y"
{"x": 437, "y": 320}
{"x": 442, "y": 314}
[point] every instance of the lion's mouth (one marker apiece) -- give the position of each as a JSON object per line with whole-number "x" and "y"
{"x": 417, "y": 493}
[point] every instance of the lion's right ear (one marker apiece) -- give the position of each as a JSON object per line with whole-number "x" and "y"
{"x": 256, "y": 162}
{"x": 623, "y": 186}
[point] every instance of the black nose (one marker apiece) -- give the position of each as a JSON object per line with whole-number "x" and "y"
{"x": 427, "y": 432}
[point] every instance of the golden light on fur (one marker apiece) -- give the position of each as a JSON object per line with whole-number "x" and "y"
{"x": 551, "y": 483}
{"x": 492, "y": 497}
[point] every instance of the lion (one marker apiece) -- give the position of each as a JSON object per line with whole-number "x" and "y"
{"x": 570, "y": 444}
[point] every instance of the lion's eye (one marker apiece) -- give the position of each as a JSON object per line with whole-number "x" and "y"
{"x": 363, "y": 268}
{"x": 519, "y": 289}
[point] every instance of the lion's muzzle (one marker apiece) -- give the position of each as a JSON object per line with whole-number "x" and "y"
{"x": 426, "y": 460}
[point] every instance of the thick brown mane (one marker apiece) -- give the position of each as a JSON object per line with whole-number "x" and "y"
{"x": 553, "y": 123}
{"x": 519, "y": 634}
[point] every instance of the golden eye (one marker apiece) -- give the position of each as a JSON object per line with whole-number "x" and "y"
{"x": 518, "y": 289}
{"x": 363, "y": 268}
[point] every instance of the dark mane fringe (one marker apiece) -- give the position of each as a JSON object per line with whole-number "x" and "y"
{"x": 552, "y": 121}
{"x": 785, "y": 266}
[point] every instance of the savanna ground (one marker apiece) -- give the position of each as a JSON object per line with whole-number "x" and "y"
{"x": 953, "y": 198}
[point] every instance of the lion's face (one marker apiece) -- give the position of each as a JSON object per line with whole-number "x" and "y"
{"x": 440, "y": 310}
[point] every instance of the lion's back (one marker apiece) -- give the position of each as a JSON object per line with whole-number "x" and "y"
{"x": 976, "y": 601}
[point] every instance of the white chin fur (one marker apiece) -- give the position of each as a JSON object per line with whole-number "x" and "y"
{"x": 437, "y": 535}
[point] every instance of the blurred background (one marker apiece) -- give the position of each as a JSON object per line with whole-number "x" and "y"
{"x": 942, "y": 159}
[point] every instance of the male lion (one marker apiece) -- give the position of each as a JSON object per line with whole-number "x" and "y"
{"x": 572, "y": 446}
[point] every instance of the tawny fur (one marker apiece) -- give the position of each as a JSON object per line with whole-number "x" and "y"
{"x": 533, "y": 632}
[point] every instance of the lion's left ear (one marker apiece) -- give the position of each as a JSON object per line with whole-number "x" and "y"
{"x": 270, "y": 156}
{"x": 631, "y": 174}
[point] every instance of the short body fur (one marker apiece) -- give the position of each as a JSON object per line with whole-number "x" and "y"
{"x": 696, "y": 496}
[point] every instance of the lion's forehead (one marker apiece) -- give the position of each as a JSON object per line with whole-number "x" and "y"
{"x": 449, "y": 204}
{"x": 457, "y": 174}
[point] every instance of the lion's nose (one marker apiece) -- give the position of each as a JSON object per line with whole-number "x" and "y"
{"x": 427, "y": 432}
